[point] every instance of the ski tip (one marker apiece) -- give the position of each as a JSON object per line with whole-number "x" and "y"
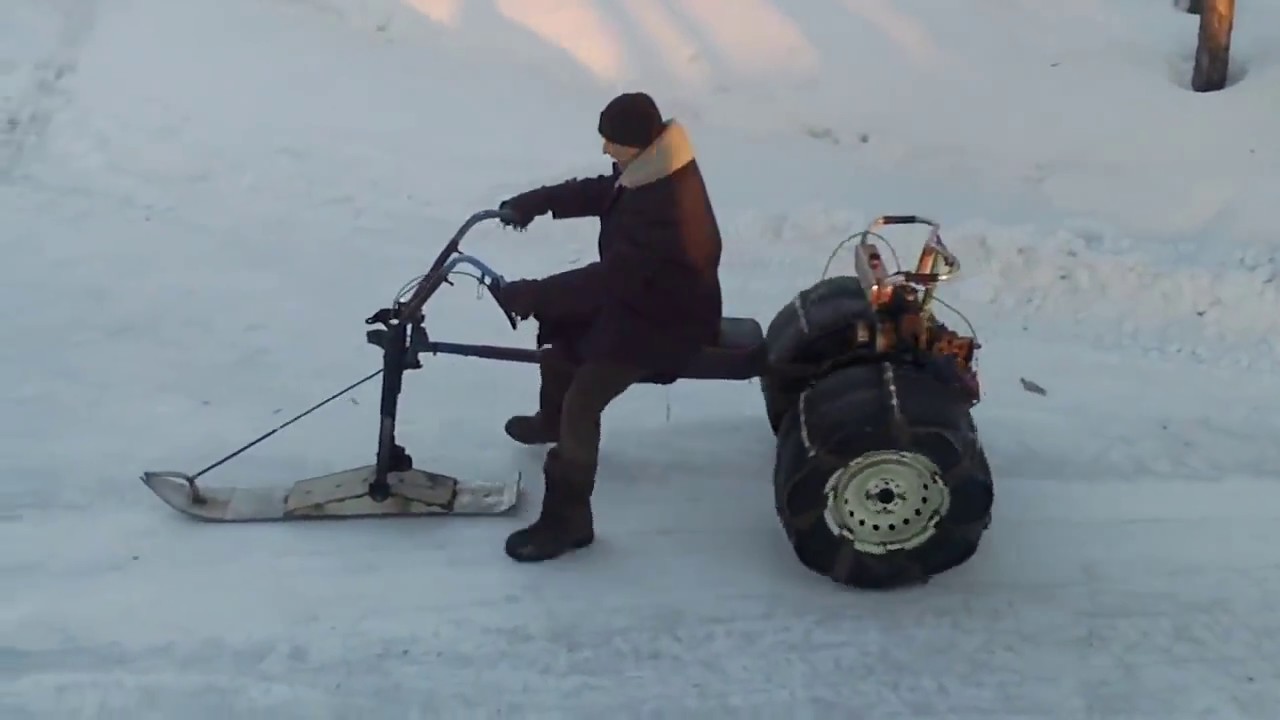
{"x": 155, "y": 479}
{"x": 178, "y": 489}
{"x": 513, "y": 492}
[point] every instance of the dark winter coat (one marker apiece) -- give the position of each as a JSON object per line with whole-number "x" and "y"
{"x": 653, "y": 299}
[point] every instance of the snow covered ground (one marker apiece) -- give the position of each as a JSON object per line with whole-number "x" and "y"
{"x": 202, "y": 201}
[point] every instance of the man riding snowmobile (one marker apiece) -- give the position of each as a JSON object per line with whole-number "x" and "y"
{"x": 641, "y": 312}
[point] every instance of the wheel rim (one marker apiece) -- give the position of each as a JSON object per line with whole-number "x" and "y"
{"x": 886, "y": 500}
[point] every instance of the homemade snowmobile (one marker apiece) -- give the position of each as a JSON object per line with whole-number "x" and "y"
{"x": 879, "y": 476}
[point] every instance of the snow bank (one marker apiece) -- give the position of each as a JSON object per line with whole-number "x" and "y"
{"x": 1074, "y": 92}
{"x": 1162, "y": 239}
{"x": 1090, "y": 195}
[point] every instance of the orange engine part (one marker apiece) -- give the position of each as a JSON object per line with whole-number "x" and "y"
{"x": 904, "y": 322}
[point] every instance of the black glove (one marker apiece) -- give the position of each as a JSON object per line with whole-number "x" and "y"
{"x": 519, "y": 297}
{"x": 523, "y": 208}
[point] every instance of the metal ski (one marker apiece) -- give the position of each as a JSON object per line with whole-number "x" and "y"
{"x": 343, "y": 494}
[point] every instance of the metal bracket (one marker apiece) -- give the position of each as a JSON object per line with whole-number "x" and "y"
{"x": 414, "y": 492}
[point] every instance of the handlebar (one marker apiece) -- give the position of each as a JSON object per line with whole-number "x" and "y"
{"x": 451, "y": 247}
{"x": 487, "y": 273}
{"x": 925, "y": 272}
{"x": 439, "y": 271}
{"x": 901, "y": 220}
{"x": 448, "y": 259}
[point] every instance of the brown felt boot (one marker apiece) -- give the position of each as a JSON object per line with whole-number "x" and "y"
{"x": 565, "y": 522}
{"x": 536, "y": 429}
{"x": 556, "y": 374}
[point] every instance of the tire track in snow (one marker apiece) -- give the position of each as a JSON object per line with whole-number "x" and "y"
{"x": 32, "y": 110}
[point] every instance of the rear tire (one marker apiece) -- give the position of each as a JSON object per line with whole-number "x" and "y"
{"x": 779, "y": 399}
{"x": 814, "y": 327}
{"x": 876, "y": 498}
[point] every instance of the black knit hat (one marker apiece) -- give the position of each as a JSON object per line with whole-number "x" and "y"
{"x": 631, "y": 119}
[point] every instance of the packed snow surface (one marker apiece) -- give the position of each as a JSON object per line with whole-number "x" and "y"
{"x": 202, "y": 201}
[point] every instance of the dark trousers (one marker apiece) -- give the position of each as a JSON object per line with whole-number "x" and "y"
{"x": 575, "y": 396}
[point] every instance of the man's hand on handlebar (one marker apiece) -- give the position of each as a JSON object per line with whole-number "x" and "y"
{"x": 518, "y": 297}
{"x": 514, "y": 216}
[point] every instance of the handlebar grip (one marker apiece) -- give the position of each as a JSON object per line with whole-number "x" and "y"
{"x": 505, "y": 215}
{"x": 901, "y": 220}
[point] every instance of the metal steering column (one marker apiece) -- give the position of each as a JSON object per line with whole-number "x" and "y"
{"x": 403, "y": 338}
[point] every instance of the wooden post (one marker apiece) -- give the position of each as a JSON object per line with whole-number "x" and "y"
{"x": 1213, "y": 49}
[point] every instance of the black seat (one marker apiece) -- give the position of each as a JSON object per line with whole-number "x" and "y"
{"x": 739, "y": 354}
{"x": 739, "y": 334}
